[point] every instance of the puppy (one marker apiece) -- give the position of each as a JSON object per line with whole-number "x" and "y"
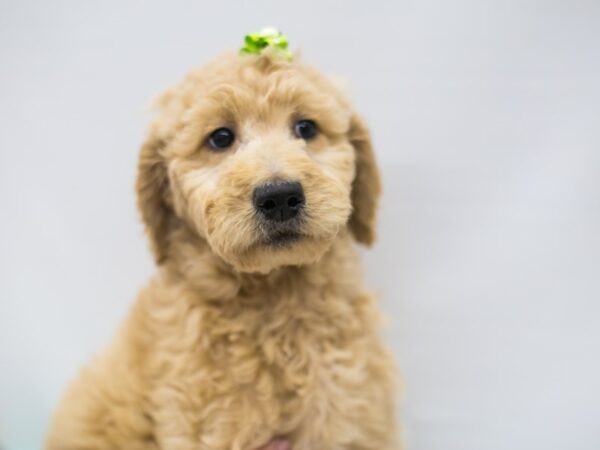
{"x": 255, "y": 180}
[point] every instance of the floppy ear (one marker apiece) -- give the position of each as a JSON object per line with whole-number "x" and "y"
{"x": 151, "y": 186}
{"x": 366, "y": 186}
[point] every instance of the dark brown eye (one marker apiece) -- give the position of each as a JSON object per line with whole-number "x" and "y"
{"x": 305, "y": 129}
{"x": 221, "y": 138}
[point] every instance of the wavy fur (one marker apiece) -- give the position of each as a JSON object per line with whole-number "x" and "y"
{"x": 234, "y": 342}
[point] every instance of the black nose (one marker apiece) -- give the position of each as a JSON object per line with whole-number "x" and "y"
{"x": 279, "y": 201}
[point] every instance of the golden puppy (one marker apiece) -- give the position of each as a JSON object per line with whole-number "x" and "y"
{"x": 254, "y": 181}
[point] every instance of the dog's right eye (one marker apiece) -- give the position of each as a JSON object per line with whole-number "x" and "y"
{"x": 221, "y": 138}
{"x": 305, "y": 129}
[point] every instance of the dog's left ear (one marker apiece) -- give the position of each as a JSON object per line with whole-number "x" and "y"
{"x": 366, "y": 187}
{"x": 151, "y": 186}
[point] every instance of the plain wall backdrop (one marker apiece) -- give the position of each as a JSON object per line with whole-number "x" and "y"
{"x": 486, "y": 120}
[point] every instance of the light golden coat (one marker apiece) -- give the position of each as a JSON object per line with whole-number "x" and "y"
{"x": 234, "y": 342}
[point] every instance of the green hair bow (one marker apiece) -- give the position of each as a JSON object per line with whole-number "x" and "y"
{"x": 254, "y": 43}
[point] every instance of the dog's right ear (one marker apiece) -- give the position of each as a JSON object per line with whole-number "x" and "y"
{"x": 151, "y": 185}
{"x": 366, "y": 187}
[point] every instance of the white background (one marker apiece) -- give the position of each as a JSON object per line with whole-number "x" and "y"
{"x": 486, "y": 122}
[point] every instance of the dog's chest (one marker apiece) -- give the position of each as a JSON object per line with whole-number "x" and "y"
{"x": 296, "y": 367}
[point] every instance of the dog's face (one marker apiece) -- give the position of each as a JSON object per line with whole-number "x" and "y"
{"x": 262, "y": 158}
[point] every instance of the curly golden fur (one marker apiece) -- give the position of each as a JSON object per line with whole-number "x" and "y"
{"x": 236, "y": 341}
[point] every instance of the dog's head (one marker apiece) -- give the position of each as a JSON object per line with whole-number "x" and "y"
{"x": 262, "y": 158}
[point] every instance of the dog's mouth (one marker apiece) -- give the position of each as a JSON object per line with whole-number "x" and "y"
{"x": 282, "y": 238}
{"x": 281, "y": 234}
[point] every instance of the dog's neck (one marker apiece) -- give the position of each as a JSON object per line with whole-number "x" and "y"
{"x": 195, "y": 264}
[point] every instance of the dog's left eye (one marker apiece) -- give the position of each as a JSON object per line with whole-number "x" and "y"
{"x": 221, "y": 138}
{"x": 305, "y": 129}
